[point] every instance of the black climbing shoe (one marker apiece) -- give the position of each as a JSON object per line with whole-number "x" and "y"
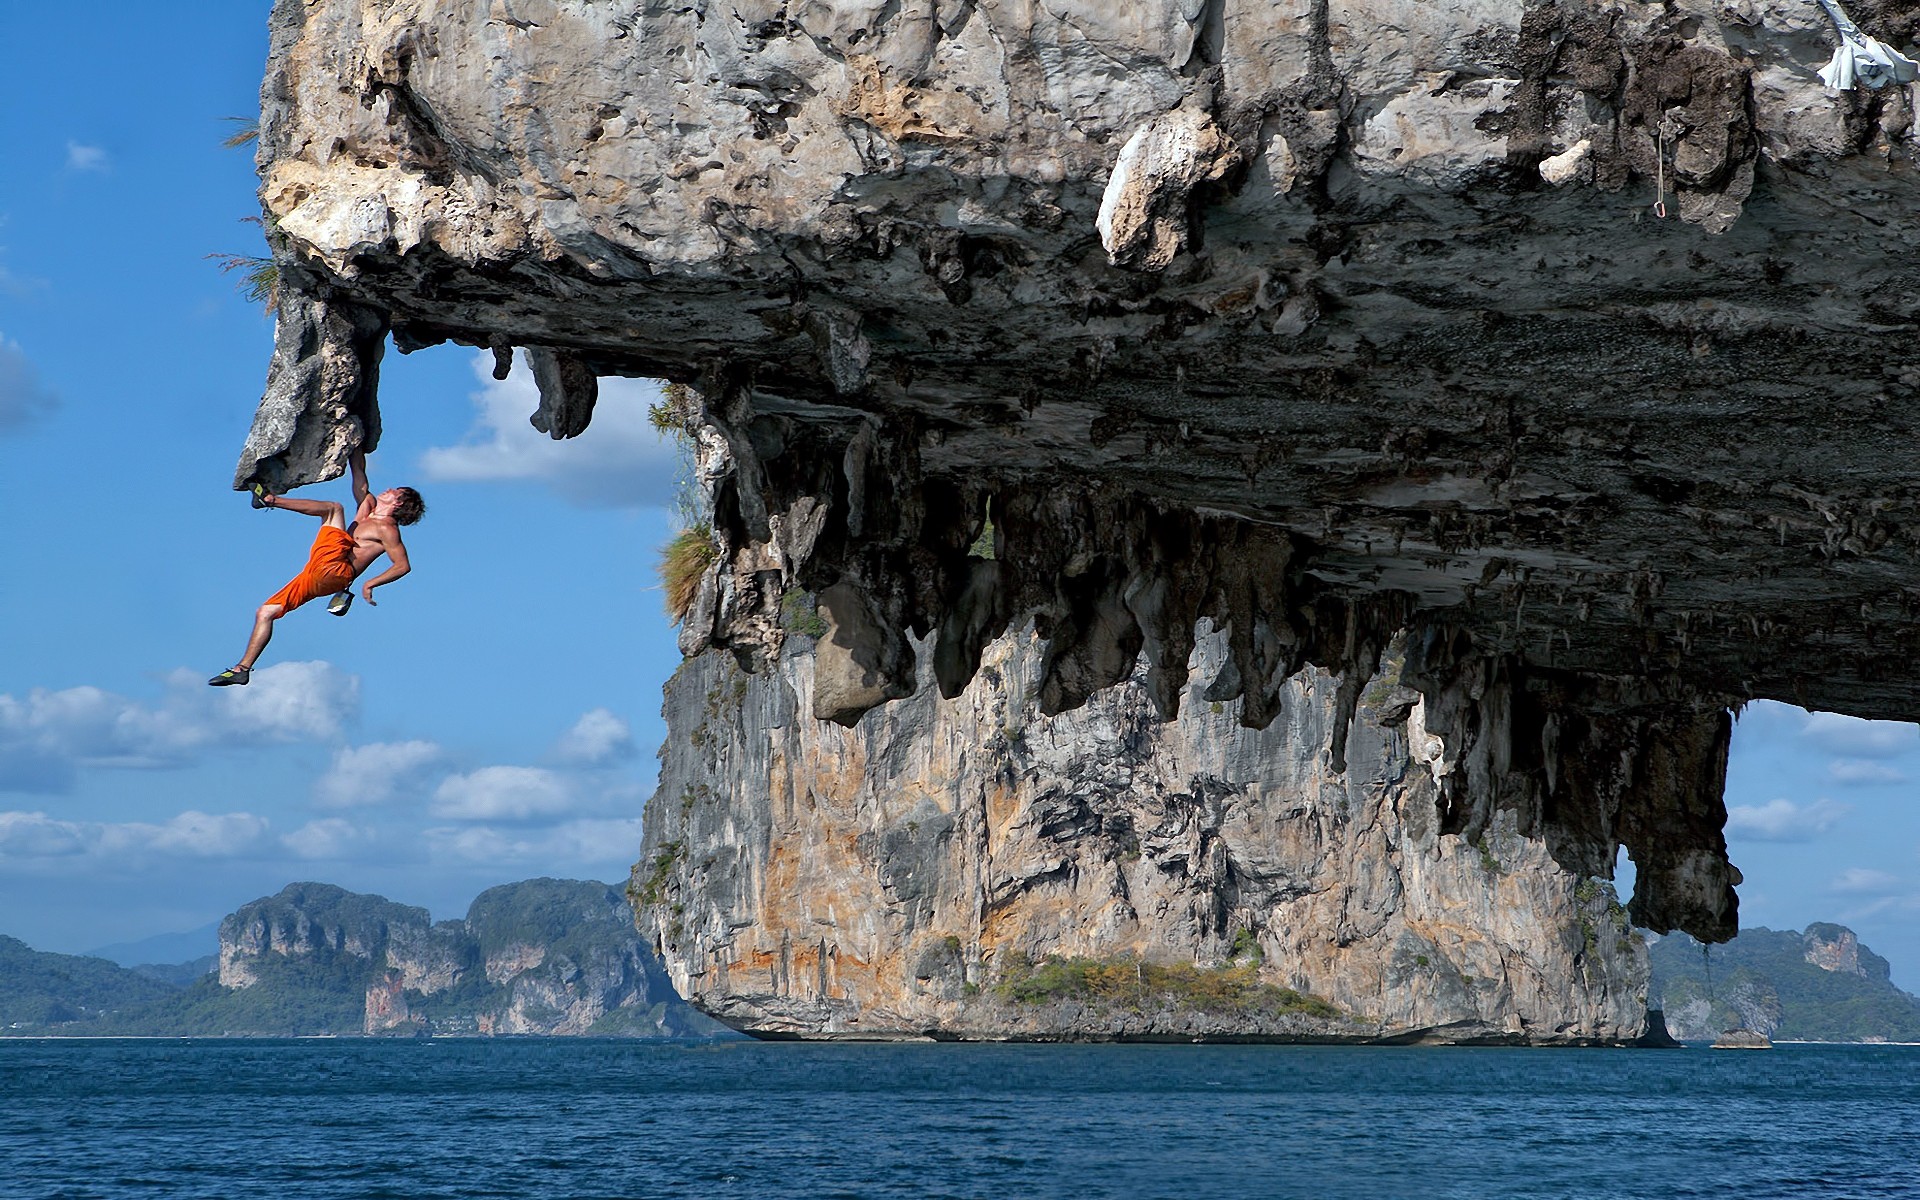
{"x": 340, "y": 603}
{"x": 231, "y": 676}
{"x": 259, "y": 496}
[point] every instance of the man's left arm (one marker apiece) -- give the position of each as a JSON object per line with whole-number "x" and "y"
{"x": 398, "y": 566}
{"x": 362, "y": 491}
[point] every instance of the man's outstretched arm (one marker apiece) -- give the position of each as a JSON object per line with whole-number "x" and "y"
{"x": 397, "y": 554}
{"x": 362, "y": 494}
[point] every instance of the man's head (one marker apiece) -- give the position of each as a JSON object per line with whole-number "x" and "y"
{"x": 405, "y": 504}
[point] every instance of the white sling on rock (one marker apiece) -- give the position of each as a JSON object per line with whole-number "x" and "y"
{"x": 1860, "y": 59}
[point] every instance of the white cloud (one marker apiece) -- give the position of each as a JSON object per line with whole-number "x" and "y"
{"x": 503, "y": 794}
{"x": 582, "y": 841}
{"x": 621, "y": 461}
{"x": 1860, "y": 772}
{"x": 598, "y": 738}
{"x": 26, "y": 836}
{"x": 1864, "y": 881}
{"x": 22, "y": 398}
{"x": 1859, "y": 738}
{"x": 1783, "y": 820}
{"x": 376, "y": 773}
{"x": 329, "y": 838}
{"x": 46, "y": 736}
{"x": 83, "y": 157}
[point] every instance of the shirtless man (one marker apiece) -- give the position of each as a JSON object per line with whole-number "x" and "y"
{"x": 340, "y": 553}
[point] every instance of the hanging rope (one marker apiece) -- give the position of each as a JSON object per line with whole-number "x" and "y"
{"x": 1660, "y": 169}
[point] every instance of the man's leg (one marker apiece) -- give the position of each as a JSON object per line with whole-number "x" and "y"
{"x": 330, "y": 512}
{"x": 263, "y": 619}
{"x": 242, "y": 671}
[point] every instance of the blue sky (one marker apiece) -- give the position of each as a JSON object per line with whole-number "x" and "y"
{"x": 496, "y": 716}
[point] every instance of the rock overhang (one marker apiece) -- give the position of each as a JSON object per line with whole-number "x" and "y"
{"x": 1317, "y": 322}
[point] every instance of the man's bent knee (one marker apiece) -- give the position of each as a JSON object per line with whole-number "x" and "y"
{"x": 269, "y": 612}
{"x": 336, "y": 515}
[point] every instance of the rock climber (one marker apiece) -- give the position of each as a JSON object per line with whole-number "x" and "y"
{"x": 340, "y": 553}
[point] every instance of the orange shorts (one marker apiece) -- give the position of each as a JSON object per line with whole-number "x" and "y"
{"x": 329, "y": 570}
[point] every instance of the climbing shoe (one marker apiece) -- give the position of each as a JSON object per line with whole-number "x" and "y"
{"x": 231, "y": 676}
{"x": 340, "y": 603}
{"x": 259, "y": 497}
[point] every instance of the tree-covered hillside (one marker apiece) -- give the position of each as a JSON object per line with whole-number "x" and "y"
{"x": 38, "y": 990}
{"x": 1772, "y": 981}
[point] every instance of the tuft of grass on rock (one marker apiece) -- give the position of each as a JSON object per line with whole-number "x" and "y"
{"x": 259, "y": 278}
{"x": 682, "y": 562}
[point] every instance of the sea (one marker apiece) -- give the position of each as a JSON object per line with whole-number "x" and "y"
{"x": 605, "y": 1118}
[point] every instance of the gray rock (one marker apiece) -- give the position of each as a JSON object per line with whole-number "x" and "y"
{"x": 898, "y": 878}
{"x": 322, "y": 399}
{"x": 1361, "y": 367}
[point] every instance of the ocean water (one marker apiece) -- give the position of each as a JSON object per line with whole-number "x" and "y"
{"x": 570, "y": 1118}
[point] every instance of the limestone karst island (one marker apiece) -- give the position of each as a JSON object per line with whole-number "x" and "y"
{"x": 1213, "y": 519}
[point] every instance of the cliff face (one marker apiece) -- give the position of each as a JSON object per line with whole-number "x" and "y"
{"x": 1317, "y": 321}
{"x": 904, "y": 876}
{"x": 545, "y": 956}
{"x": 1817, "y": 985}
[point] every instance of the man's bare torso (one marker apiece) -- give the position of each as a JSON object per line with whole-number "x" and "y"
{"x": 371, "y": 538}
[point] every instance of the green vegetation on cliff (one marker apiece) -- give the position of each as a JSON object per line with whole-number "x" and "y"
{"x": 1764, "y": 980}
{"x": 1130, "y": 983}
{"x": 293, "y": 998}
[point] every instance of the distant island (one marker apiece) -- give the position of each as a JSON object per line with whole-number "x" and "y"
{"x": 1820, "y": 985}
{"x": 544, "y": 956}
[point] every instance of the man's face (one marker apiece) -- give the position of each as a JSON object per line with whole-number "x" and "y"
{"x": 390, "y": 497}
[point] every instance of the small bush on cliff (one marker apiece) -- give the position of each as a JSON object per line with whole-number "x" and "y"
{"x": 682, "y": 562}
{"x": 799, "y": 614}
{"x": 1246, "y": 946}
{"x": 1136, "y": 985}
{"x": 662, "y": 870}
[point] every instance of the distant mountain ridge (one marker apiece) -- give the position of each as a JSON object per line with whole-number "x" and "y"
{"x": 162, "y": 948}
{"x": 544, "y": 956}
{"x": 1817, "y": 985}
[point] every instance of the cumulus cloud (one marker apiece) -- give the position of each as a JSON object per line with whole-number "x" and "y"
{"x": 1857, "y": 738}
{"x": 330, "y": 838}
{"x": 1861, "y": 772}
{"x": 581, "y": 841}
{"x": 22, "y": 397}
{"x": 504, "y": 794}
{"x": 83, "y": 157}
{"x": 1783, "y": 820}
{"x": 34, "y": 835}
{"x": 1864, "y": 881}
{"x": 47, "y": 736}
{"x": 621, "y": 461}
{"x": 376, "y": 773}
{"x": 597, "y": 739}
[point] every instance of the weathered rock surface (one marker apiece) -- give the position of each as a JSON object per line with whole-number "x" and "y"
{"x": 544, "y": 956}
{"x": 896, "y": 878}
{"x": 1320, "y": 321}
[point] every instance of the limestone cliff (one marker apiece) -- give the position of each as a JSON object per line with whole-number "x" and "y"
{"x": 1569, "y": 335}
{"x": 904, "y": 876}
{"x": 544, "y": 956}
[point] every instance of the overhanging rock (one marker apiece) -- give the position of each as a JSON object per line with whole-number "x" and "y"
{"x": 1372, "y": 343}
